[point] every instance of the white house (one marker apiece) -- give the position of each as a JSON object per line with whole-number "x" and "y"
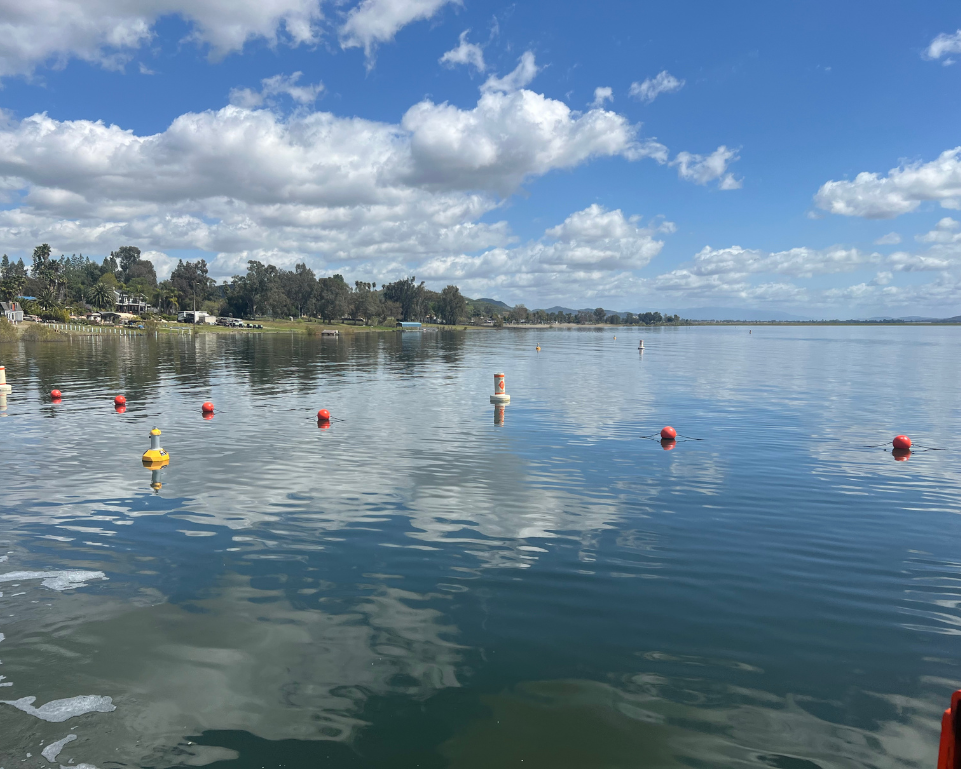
{"x": 135, "y": 304}
{"x": 12, "y": 311}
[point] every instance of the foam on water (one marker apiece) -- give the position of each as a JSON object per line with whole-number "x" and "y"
{"x": 53, "y": 749}
{"x": 57, "y": 711}
{"x": 56, "y": 580}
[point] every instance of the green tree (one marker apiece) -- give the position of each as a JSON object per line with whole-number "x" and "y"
{"x": 13, "y": 277}
{"x": 299, "y": 287}
{"x": 365, "y": 303}
{"x": 47, "y": 298}
{"x": 451, "y": 305}
{"x": 600, "y": 314}
{"x": 49, "y": 273}
{"x": 141, "y": 273}
{"x": 192, "y": 281}
{"x": 332, "y": 298}
{"x": 126, "y": 257}
{"x": 249, "y": 293}
{"x": 101, "y": 295}
{"x": 409, "y": 295}
{"x": 110, "y": 265}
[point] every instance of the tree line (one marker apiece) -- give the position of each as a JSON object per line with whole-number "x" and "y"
{"x": 72, "y": 283}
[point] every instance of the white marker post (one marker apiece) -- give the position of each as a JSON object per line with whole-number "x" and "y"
{"x": 500, "y": 391}
{"x": 4, "y": 387}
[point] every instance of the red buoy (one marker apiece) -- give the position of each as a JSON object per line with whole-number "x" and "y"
{"x": 323, "y": 415}
{"x": 901, "y": 442}
{"x": 56, "y": 394}
{"x": 119, "y": 401}
{"x": 668, "y": 434}
{"x": 207, "y": 408}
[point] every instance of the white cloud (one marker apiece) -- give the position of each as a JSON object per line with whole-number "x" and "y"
{"x": 509, "y": 136}
{"x": 272, "y": 87}
{"x": 652, "y": 87}
{"x": 891, "y": 239}
{"x": 598, "y": 239}
{"x": 735, "y": 263}
{"x": 602, "y": 95}
{"x": 741, "y": 277}
{"x": 932, "y": 261}
{"x": 591, "y": 253}
{"x": 904, "y": 188}
{"x": 108, "y": 31}
{"x": 250, "y": 183}
{"x": 943, "y": 255}
{"x": 945, "y": 231}
{"x": 525, "y": 71}
{"x": 468, "y": 54}
{"x": 701, "y": 170}
{"x": 377, "y": 21}
{"x": 162, "y": 263}
{"x": 943, "y": 45}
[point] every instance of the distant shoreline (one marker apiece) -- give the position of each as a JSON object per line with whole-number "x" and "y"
{"x": 316, "y": 329}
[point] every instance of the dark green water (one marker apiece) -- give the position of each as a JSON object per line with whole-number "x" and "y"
{"x": 419, "y": 587}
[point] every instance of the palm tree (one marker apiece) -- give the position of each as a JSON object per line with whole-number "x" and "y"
{"x": 101, "y": 295}
{"x": 47, "y": 298}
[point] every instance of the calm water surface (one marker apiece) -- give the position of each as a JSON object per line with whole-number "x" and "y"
{"x": 418, "y": 586}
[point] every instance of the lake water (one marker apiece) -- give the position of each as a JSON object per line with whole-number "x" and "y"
{"x": 418, "y": 586}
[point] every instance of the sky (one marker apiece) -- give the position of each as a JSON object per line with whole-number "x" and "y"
{"x": 799, "y": 158}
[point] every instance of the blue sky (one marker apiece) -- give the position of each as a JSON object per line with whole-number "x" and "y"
{"x": 629, "y": 155}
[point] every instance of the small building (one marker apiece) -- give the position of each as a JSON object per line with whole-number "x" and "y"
{"x": 12, "y": 311}
{"x": 194, "y": 316}
{"x": 94, "y": 317}
{"x": 132, "y": 303}
{"x": 406, "y": 325}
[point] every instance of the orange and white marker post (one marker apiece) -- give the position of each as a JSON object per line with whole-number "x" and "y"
{"x": 4, "y": 387}
{"x": 500, "y": 392}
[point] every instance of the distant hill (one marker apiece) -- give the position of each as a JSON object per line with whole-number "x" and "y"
{"x": 735, "y": 313}
{"x": 708, "y": 313}
{"x": 493, "y": 302}
{"x": 701, "y": 313}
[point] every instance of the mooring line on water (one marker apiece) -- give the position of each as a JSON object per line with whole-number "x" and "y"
{"x": 914, "y": 447}
{"x": 657, "y": 437}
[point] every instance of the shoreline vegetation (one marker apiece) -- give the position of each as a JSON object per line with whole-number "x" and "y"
{"x": 64, "y": 291}
{"x": 58, "y": 332}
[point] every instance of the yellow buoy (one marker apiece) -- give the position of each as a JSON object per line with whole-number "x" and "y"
{"x": 538, "y": 348}
{"x": 155, "y": 456}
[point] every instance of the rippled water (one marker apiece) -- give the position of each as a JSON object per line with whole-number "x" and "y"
{"x": 419, "y": 586}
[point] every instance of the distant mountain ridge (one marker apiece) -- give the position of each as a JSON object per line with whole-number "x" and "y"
{"x": 728, "y": 314}
{"x": 700, "y": 313}
{"x": 495, "y": 302}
